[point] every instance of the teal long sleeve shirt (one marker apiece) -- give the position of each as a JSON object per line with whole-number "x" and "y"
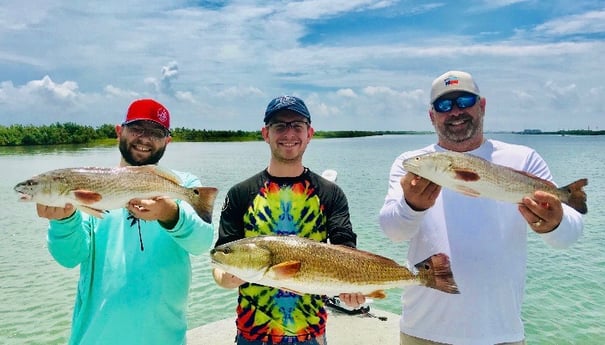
{"x": 126, "y": 294}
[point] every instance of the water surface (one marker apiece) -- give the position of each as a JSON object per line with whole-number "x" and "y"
{"x": 565, "y": 294}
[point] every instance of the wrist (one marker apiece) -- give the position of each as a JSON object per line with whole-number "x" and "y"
{"x": 172, "y": 218}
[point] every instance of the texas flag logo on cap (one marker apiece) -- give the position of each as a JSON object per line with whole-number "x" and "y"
{"x": 451, "y": 81}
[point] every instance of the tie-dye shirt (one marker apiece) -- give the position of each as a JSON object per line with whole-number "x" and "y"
{"x": 307, "y": 206}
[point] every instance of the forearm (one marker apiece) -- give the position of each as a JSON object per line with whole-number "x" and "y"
{"x": 568, "y": 232}
{"x": 69, "y": 240}
{"x": 190, "y": 231}
{"x": 399, "y": 221}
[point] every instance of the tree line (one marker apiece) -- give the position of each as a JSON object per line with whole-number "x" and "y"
{"x": 72, "y": 133}
{"x": 55, "y": 134}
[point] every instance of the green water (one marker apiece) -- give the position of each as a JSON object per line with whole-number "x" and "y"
{"x": 565, "y": 294}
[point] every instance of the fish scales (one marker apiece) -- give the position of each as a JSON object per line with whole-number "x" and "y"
{"x": 95, "y": 190}
{"x": 122, "y": 183}
{"x": 337, "y": 263}
{"x": 500, "y": 180}
{"x": 305, "y": 266}
{"x": 477, "y": 177}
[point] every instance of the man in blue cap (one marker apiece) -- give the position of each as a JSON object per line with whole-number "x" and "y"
{"x": 272, "y": 203}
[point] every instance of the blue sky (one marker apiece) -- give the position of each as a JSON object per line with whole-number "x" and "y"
{"x": 358, "y": 64}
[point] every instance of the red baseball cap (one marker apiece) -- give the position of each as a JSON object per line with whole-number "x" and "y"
{"x": 148, "y": 110}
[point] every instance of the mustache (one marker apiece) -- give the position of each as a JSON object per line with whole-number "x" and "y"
{"x": 460, "y": 117}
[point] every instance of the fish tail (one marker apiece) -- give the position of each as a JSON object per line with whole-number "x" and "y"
{"x": 577, "y": 196}
{"x": 435, "y": 272}
{"x": 203, "y": 202}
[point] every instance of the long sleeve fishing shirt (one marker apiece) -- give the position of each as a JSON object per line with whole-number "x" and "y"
{"x": 487, "y": 244}
{"x": 134, "y": 274}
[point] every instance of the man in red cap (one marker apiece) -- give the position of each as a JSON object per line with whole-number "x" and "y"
{"x": 145, "y": 119}
{"x": 134, "y": 275}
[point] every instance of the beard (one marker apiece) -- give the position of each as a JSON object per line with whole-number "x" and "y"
{"x": 154, "y": 158}
{"x": 472, "y": 127}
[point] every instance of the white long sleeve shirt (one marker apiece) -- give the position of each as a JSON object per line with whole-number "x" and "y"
{"x": 486, "y": 241}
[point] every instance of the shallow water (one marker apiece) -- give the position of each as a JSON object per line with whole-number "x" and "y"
{"x": 565, "y": 293}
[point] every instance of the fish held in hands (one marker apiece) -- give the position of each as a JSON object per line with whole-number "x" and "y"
{"x": 477, "y": 177}
{"x": 95, "y": 190}
{"x": 304, "y": 266}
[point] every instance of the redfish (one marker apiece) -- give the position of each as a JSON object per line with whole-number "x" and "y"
{"x": 477, "y": 177}
{"x": 95, "y": 190}
{"x": 305, "y": 266}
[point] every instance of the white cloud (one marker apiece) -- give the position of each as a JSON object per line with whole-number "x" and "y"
{"x": 347, "y": 93}
{"x": 586, "y": 23}
{"x": 217, "y": 65}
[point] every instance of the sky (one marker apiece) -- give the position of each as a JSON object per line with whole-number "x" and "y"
{"x": 358, "y": 64}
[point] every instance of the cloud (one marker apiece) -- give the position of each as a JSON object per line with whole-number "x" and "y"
{"x": 362, "y": 64}
{"x": 592, "y": 22}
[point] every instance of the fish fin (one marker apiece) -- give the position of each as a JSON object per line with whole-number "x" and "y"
{"x": 162, "y": 172}
{"x": 435, "y": 272}
{"x": 378, "y": 294}
{"x": 286, "y": 269}
{"x": 537, "y": 178}
{"x": 166, "y": 173}
{"x": 577, "y": 196}
{"x": 466, "y": 175}
{"x": 95, "y": 212}
{"x": 467, "y": 191}
{"x": 87, "y": 196}
{"x": 203, "y": 202}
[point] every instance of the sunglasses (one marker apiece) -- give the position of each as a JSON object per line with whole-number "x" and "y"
{"x": 282, "y": 126}
{"x": 155, "y": 134}
{"x": 443, "y": 105}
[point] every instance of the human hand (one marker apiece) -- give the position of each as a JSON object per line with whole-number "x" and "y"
{"x": 419, "y": 192}
{"x": 353, "y": 300}
{"x": 160, "y": 208}
{"x": 543, "y": 212}
{"x": 226, "y": 279}
{"x": 50, "y": 212}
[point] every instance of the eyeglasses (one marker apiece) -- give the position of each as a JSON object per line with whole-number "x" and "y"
{"x": 443, "y": 105}
{"x": 152, "y": 133}
{"x": 282, "y": 126}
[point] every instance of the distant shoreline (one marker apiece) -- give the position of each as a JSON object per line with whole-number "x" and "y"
{"x": 71, "y": 133}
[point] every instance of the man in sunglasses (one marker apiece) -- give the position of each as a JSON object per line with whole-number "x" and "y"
{"x": 286, "y": 198}
{"x": 135, "y": 269}
{"x": 485, "y": 239}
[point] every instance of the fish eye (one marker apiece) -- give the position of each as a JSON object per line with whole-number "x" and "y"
{"x": 227, "y": 250}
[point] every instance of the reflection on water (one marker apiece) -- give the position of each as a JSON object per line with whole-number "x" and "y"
{"x": 565, "y": 292}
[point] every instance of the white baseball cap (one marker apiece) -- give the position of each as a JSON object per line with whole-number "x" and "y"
{"x": 453, "y": 81}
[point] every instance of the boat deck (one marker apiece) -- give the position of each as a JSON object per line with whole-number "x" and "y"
{"x": 343, "y": 329}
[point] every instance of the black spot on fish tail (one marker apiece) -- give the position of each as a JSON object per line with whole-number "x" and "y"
{"x": 577, "y": 196}
{"x": 203, "y": 203}
{"x": 435, "y": 272}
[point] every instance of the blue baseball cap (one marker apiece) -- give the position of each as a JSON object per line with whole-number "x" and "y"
{"x": 287, "y": 103}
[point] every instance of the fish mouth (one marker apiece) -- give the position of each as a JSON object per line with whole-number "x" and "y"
{"x": 24, "y": 197}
